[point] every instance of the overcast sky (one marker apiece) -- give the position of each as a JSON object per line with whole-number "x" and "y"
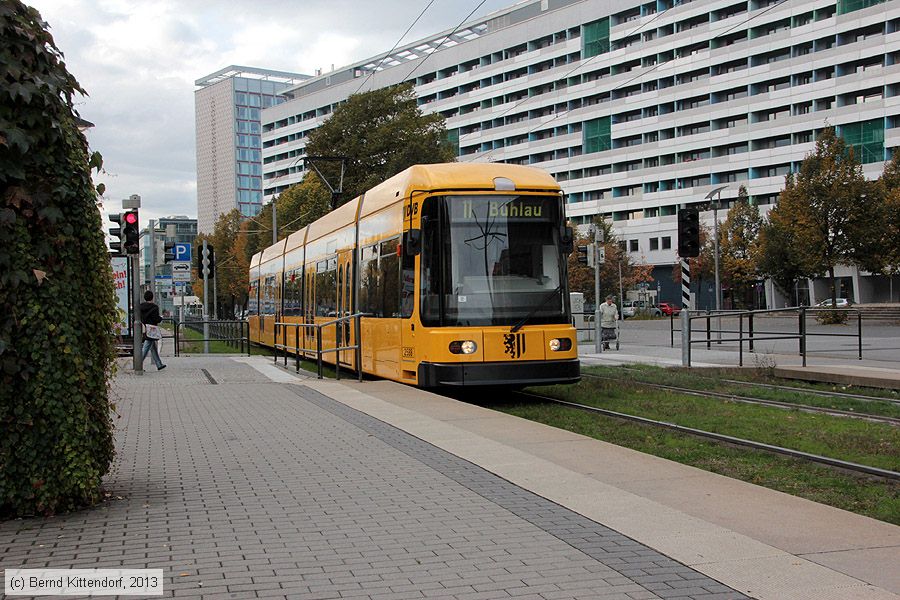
{"x": 138, "y": 60}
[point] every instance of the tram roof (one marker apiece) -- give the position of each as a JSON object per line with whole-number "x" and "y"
{"x": 339, "y": 218}
{"x": 254, "y": 262}
{"x": 454, "y": 176}
{"x": 274, "y": 251}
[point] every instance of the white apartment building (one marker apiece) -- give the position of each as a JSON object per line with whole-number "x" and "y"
{"x": 638, "y": 108}
{"x": 227, "y": 105}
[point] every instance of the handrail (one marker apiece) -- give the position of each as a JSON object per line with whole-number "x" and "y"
{"x": 233, "y": 332}
{"x": 319, "y": 351}
{"x": 754, "y": 335}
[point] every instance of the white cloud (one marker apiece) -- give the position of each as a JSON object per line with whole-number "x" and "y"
{"x": 138, "y": 60}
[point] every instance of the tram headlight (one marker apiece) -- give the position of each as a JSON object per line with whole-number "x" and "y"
{"x": 463, "y": 347}
{"x": 560, "y": 344}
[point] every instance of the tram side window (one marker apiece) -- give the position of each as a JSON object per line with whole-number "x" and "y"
{"x": 389, "y": 268}
{"x": 293, "y": 286}
{"x": 253, "y": 299}
{"x": 407, "y": 284}
{"x": 268, "y": 299}
{"x": 368, "y": 282}
{"x": 326, "y": 288}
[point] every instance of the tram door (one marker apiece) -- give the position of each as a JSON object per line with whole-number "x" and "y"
{"x": 309, "y": 308}
{"x": 345, "y": 305}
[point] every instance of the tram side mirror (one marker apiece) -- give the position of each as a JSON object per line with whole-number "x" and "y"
{"x": 567, "y": 240}
{"x": 412, "y": 242}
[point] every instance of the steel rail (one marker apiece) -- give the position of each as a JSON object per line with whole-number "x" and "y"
{"x": 748, "y": 400}
{"x": 811, "y": 392}
{"x": 833, "y": 462}
{"x": 787, "y": 388}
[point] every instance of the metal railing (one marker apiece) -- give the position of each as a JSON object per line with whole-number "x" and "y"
{"x": 233, "y": 333}
{"x": 755, "y": 335}
{"x": 341, "y": 330}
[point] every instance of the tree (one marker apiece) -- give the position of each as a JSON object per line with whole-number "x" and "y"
{"x": 581, "y": 277}
{"x": 232, "y": 267}
{"x": 885, "y": 239}
{"x": 738, "y": 247}
{"x": 297, "y": 207}
{"x": 776, "y": 257}
{"x": 58, "y": 317}
{"x": 827, "y": 207}
{"x": 380, "y": 133}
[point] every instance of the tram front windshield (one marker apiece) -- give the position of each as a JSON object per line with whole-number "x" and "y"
{"x": 492, "y": 260}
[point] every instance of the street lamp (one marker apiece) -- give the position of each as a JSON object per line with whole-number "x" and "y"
{"x": 717, "y": 192}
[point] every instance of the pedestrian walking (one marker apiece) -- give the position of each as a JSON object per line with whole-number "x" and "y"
{"x": 609, "y": 314}
{"x": 151, "y": 320}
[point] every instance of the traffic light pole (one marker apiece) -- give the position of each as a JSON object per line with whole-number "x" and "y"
{"x": 136, "y": 300}
{"x": 204, "y": 274}
{"x": 598, "y": 343}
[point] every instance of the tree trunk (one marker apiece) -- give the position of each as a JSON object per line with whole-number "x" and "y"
{"x": 833, "y": 288}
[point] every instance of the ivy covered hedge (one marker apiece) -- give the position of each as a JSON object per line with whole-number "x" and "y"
{"x": 56, "y": 298}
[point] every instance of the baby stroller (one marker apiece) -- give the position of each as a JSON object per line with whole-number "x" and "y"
{"x": 608, "y": 335}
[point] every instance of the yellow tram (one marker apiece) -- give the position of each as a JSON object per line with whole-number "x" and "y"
{"x": 458, "y": 269}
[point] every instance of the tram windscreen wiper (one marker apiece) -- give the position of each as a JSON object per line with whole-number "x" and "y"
{"x": 543, "y": 303}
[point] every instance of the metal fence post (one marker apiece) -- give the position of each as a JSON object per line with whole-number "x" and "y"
{"x": 803, "y": 334}
{"x": 740, "y": 341}
{"x": 358, "y": 350}
{"x": 297, "y": 345}
{"x": 275, "y": 343}
{"x": 672, "y": 329}
{"x": 859, "y": 331}
{"x": 708, "y": 337}
{"x": 685, "y": 338}
{"x": 319, "y": 348}
{"x": 750, "y": 327}
{"x": 338, "y": 339}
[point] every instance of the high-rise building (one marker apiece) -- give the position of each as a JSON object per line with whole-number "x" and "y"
{"x": 229, "y": 162}
{"x": 640, "y": 107}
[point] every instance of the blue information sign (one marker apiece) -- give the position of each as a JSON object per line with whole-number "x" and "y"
{"x": 182, "y": 252}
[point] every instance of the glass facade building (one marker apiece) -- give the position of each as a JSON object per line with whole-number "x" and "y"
{"x": 228, "y": 104}
{"x": 185, "y": 231}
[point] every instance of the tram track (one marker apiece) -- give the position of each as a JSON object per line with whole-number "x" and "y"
{"x": 727, "y": 439}
{"x": 791, "y": 388}
{"x": 750, "y": 400}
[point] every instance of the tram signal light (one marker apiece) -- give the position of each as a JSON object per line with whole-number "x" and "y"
{"x": 169, "y": 251}
{"x": 116, "y": 232}
{"x": 583, "y": 254}
{"x": 132, "y": 232}
{"x": 688, "y": 232}
{"x": 207, "y": 259}
{"x": 586, "y": 255}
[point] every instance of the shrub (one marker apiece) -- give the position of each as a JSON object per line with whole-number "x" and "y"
{"x": 56, "y": 351}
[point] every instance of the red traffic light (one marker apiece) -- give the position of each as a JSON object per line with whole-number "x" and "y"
{"x": 131, "y": 218}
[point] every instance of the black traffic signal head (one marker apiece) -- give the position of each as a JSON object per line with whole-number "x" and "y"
{"x": 207, "y": 267}
{"x": 583, "y": 254}
{"x": 688, "y": 232}
{"x": 170, "y": 251}
{"x": 132, "y": 232}
{"x": 116, "y": 232}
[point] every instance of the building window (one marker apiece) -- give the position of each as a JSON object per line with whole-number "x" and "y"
{"x": 667, "y": 243}
{"x": 595, "y": 38}
{"x": 597, "y": 135}
{"x": 632, "y": 245}
{"x": 654, "y": 243}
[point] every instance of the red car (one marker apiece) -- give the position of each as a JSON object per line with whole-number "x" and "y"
{"x": 669, "y": 309}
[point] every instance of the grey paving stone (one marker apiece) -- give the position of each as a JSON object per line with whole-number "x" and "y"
{"x": 273, "y": 490}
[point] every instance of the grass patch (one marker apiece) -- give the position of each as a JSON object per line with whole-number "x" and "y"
{"x": 872, "y": 497}
{"x": 189, "y": 344}
{"x": 712, "y": 380}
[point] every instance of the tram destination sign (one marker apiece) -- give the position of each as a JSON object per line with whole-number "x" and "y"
{"x": 536, "y": 208}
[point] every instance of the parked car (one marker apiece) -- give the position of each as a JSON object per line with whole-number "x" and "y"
{"x": 669, "y": 309}
{"x": 633, "y": 307}
{"x": 841, "y": 303}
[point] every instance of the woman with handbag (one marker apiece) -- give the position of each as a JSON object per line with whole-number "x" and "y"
{"x": 151, "y": 320}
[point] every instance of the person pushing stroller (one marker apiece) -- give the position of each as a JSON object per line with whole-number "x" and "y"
{"x": 609, "y": 314}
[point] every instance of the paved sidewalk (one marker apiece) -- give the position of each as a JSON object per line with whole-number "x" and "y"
{"x": 240, "y": 481}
